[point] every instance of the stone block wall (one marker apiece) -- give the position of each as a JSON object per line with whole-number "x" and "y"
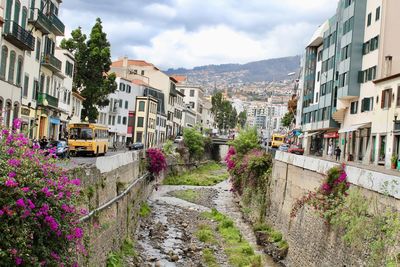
{"x": 312, "y": 242}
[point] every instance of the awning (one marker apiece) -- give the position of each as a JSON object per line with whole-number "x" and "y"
{"x": 311, "y": 134}
{"x": 339, "y": 114}
{"x": 354, "y": 127}
{"x": 55, "y": 121}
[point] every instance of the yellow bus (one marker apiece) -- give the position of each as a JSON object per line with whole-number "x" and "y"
{"x": 277, "y": 140}
{"x": 88, "y": 138}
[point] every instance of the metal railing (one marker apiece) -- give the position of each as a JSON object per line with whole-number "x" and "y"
{"x": 58, "y": 26}
{"x": 51, "y": 100}
{"x": 51, "y": 61}
{"x": 18, "y": 36}
{"x": 40, "y": 21}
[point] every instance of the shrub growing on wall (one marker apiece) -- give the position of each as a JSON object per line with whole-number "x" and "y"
{"x": 246, "y": 141}
{"x": 156, "y": 161}
{"x": 38, "y": 217}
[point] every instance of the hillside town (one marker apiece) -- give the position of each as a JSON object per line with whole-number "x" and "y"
{"x": 123, "y": 151}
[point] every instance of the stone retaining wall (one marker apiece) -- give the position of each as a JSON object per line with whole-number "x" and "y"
{"x": 311, "y": 241}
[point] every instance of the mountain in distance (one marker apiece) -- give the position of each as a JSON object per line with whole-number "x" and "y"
{"x": 258, "y": 71}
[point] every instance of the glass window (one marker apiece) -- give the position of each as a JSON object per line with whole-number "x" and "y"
{"x": 81, "y": 133}
{"x": 11, "y": 69}
{"x": 141, "y": 105}
{"x": 369, "y": 19}
{"x": 140, "y": 122}
{"x": 19, "y": 71}
{"x": 119, "y": 120}
{"x": 4, "y": 57}
{"x": 38, "y": 48}
{"x": 26, "y": 85}
{"x": 124, "y": 120}
{"x": 377, "y": 13}
{"x": 192, "y": 93}
{"x": 126, "y": 104}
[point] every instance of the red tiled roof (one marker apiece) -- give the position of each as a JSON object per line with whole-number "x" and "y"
{"x": 139, "y": 82}
{"x": 179, "y": 78}
{"x": 141, "y": 63}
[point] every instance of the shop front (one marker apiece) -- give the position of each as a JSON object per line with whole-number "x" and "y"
{"x": 331, "y": 139}
{"x": 53, "y": 128}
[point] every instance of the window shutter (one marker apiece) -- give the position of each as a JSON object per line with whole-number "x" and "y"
{"x": 390, "y": 98}
{"x": 360, "y": 76}
{"x": 383, "y": 98}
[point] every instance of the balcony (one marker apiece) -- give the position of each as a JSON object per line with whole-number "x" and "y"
{"x": 58, "y": 26}
{"x": 47, "y": 100}
{"x": 51, "y": 62}
{"x": 40, "y": 21}
{"x": 18, "y": 36}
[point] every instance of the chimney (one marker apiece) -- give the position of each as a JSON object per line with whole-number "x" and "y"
{"x": 388, "y": 65}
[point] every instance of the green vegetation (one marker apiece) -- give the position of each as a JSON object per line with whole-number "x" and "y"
{"x": 115, "y": 259}
{"x": 238, "y": 250}
{"x": 209, "y": 258}
{"x": 205, "y": 234}
{"x": 288, "y": 119}
{"x": 188, "y": 195}
{"x": 194, "y": 141}
{"x": 369, "y": 229}
{"x": 144, "y": 210}
{"x": 225, "y": 114}
{"x": 168, "y": 147}
{"x": 274, "y": 236}
{"x": 246, "y": 141}
{"x": 242, "y": 119}
{"x": 206, "y": 175}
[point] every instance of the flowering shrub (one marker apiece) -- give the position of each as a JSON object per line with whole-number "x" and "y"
{"x": 249, "y": 171}
{"x": 330, "y": 194}
{"x": 38, "y": 218}
{"x": 229, "y": 159}
{"x": 156, "y": 161}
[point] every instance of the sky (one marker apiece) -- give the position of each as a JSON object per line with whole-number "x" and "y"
{"x": 188, "y": 33}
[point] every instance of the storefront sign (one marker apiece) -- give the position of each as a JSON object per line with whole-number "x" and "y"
{"x": 331, "y": 135}
{"x": 54, "y": 121}
{"x": 25, "y": 111}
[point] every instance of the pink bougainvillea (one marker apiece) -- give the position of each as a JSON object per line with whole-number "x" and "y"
{"x": 156, "y": 161}
{"x": 329, "y": 195}
{"x": 34, "y": 194}
{"x": 229, "y": 159}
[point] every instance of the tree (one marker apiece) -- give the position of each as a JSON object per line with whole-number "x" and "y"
{"x": 242, "y": 118}
{"x": 247, "y": 140}
{"x": 93, "y": 61}
{"x": 194, "y": 141}
{"x": 287, "y": 120}
{"x": 225, "y": 114}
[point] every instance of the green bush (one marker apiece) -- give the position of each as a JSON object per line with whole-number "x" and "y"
{"x": 194, "y": 141}
{"x": 168, "y": 147}
{"x": 246, "y": 141}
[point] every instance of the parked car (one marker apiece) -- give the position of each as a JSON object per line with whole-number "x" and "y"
{"x": 178, "y": 139}
{"x": 136, "y": 146}
{"x": 284, "y": 147}
{"x": 295, "y": 149}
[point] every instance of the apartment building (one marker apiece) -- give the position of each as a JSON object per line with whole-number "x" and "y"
{"x": 146, "y": 117}
{"x": 15, "y": 40}
{"x": 119, "y": 114}
{"x": 150, "y": 75}
{"x": 349, "y": 86}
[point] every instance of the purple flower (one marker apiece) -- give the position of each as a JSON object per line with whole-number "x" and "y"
{"x": 11, "y": 151}
{"x": 14, "y": 163}
{"x": 76, "y": 182}
{"x": 17, "y": 123}
{"x": 47, "y": 192}
{"x": 20, "y": 203}
{"x": 326, "y": 187}
{"x": 30, "y": 204}
{"x": 18, "y": 261}
{"x": 11, "y": 182}
{"x": 78, "y": 232}
{"x": 12, "y": 174}
{"x": 5, "y": 132}
{"x": 51, "y": 222}
{"x": 25, "y": 189}
{"x": 1, "y": 212}
{"x": 55, "y": 256}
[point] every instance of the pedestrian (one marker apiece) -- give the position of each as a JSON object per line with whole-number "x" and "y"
{"x": 338, "y": 151}
{"x": 43, "y": 142}
{"x": 330, "y": 151}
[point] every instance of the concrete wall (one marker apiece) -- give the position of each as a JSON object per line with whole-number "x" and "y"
{"x": 106, "y": 229}
{"x": 311, "y": 241}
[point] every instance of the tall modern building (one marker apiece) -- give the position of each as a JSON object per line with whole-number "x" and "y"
{"x": 351, "y": 89}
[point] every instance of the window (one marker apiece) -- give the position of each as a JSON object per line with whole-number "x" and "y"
{"x": 124, "y": 120}
{"x": 142, "y": 72}
{"x": 348, "y": 25}
{"x": 48, "y": 84}
{"x": 398, "y": 97}
{"x": 139, "y": 136}
{"x": 191, "y": 93}
{"x": 386, "y": 98}
{"x": 26, "y": 86}
{"x": 141, "y": 105}
{"x": 367, "y": 104}
{"x": 4, "y": 57}
{"x": 128, "y": 88}
{"x": 35, "y": 89}
{"x": 343, "y": 79}
{"x": 11, "y": 69}
{"x": 347, "y": 3}
{"x": 354, "y": 107}
{"x": 140, "y": 122}
{"x": 346, "y": 52}
{"x": 367, "y": 75}
{"x": 19, "y": 71}
{"x": 38, "y": 48}
{"x": 119, "y": 120}
{"x": 369, "y": 19}
{"x": 316, "y": 97}
{"x": 24, "y": 17}
{"x": 377, "y": 13}
{"x": 69, "y": 68}
{"x": 120, "y": 103}
{"x": 17, "y": 10}
{"x": 126, "y": 104}
{"x": 319, "y": 55}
